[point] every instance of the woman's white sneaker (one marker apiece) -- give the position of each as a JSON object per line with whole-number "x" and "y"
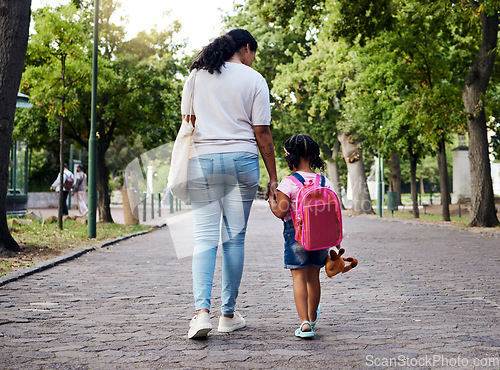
{"x": 229, "y": 324}
{"x": 199, "y": 326}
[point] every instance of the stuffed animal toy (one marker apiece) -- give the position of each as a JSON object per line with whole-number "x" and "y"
{"x": 335, "y": 263}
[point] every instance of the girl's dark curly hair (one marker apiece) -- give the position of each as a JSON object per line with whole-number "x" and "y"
{"x": 213, "y": 56}
{"x": 303, "y": 146}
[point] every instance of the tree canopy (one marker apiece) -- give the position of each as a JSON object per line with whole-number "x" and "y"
{"x": 389, "y": 74}
{"x": 138, "y": 88}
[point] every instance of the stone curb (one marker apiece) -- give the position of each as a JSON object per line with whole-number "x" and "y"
{"x": 411, "y": 222}
{"x": 72, "y": 255}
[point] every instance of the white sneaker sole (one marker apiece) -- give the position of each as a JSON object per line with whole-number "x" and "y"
{"x": 231, "y": 328}
{"x": 199, "y": 332}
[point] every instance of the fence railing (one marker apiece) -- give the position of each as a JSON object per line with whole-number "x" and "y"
{"x": 153, "y": 201}
{"x": 147, "y": 206}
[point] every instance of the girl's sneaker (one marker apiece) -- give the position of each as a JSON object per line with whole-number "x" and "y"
{"x": 229, "y": 324}
{"x": 199, "y": 326}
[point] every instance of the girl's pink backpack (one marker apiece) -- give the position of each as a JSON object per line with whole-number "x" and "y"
{"x": 317, "y": 217}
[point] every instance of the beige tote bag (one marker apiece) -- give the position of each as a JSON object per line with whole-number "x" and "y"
{"x": 178, "y": 174}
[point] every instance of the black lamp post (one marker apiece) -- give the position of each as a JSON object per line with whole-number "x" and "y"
{"x": 93, "y": 138}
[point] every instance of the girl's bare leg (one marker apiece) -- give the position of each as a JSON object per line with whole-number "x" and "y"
{"x": 313, "y": 292}
{"x": 300, "y": 294}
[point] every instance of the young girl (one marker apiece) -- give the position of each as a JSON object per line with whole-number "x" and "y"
{"x": 302, "y": 157}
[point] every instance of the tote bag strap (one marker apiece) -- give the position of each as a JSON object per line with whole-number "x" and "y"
{"x": 191, "y": 111}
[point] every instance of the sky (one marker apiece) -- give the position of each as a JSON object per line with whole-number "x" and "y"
{"x": 200, "y": 19}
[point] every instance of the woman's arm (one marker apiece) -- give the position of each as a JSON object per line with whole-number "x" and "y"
{"x": 56, "y": 183}
{"x": 266, "y": 148}
{"x": 279, "y": 204}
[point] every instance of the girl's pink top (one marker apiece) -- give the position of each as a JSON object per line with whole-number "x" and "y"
{"x": 291, "y": 190}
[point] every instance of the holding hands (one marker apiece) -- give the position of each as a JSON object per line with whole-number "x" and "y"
{"x": 271, "y": 190}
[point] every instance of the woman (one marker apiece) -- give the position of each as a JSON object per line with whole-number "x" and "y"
{"x": 231, "y": 115}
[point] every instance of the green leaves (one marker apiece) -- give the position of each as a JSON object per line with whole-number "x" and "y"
{"x": 389, "y": 73}
{"x": 56, "y": 68}
{"x": 139, "y": 80}
{"x": 359, "y": 21}
{"x": 60, "y": 32}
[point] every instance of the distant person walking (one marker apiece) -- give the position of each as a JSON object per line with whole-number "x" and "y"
{"x": 67, "y": 174}
{"x": 80, "y": 190}
{"x": 231, "y": 115}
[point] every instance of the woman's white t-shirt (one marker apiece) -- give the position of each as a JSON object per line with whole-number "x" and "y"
{"x": 227, "y": 105}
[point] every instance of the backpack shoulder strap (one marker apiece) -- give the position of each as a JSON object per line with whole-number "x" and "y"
{"x": 297, "y": 179}
{"x": 320, "y": 180}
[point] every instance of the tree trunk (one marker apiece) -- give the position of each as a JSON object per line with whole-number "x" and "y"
{"x": 396, "y": 175}
{"x": 482, "y": 212}
{"x": 414, "y": 191}
{"x": 443, "y": 179}
{"x": 103, "y": 199}
{"x": 14, "y": 29}
{"x": 332, "y": 169}
{"x": 353, "y": 155}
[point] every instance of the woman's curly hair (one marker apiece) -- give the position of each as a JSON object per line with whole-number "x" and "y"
{"x": 213, "y": 56}
{"x": 303, "y": 146}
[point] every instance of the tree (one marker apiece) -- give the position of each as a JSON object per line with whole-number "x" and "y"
{"x": 303, "y": 78}
{"x": 14, "y": 29}
{"x": 138, "y": 93}
{"x": 278, "y": 46}
{"x": 332, "y": 168}
{"x": 437, "y": 38}
{"x": 483, "y": 211}
{"x": 392, "y": 70}
{"x": 408, "y": 81}
{"x": 59, "y": 42}
{"x": 395, "y": 183}
{"x": 494, "y": 114}
{"x": 436, "y": 57}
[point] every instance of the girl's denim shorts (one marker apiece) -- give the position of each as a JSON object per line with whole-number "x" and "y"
{"x": 296, "y": 257}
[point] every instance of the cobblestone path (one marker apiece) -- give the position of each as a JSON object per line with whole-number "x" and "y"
{"x": 422, "y": 296}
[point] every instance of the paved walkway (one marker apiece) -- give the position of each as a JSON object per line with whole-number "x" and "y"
{"x": 422, "y": 297}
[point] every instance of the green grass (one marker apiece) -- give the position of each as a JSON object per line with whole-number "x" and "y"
{"x": 406, "y": 198}
{"x": 462, "y": 221}
{"x": 40, "y": 241}
{"x": 6, "y": 266}
{"x": 73, "y": 235}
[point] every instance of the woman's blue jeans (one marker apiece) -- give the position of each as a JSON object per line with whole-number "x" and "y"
{"x": 222, "y": 188}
